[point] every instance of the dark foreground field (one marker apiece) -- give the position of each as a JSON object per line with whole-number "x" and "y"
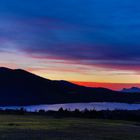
{"x": 28, "y": 127}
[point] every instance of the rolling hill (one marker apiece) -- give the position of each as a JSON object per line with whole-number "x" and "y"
{"x": 19, "y": 87}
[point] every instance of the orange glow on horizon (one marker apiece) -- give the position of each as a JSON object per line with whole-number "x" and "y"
{"x": 69, "y": 76}
{"x": 113, "y": 86}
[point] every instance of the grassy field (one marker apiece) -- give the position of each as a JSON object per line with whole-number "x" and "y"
{"x": 16, "y": 127}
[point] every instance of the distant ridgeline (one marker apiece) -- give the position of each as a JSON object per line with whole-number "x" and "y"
{"x": 19, "y": 87}
{"x": 131, "y": 90}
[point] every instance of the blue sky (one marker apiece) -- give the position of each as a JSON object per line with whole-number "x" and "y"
{"x": 95, "y": 33}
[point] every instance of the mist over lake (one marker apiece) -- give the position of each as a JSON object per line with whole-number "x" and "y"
{"x": 81, "y": 106}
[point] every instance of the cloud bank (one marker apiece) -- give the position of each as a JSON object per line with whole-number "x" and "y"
{"x": 87, "y": 32}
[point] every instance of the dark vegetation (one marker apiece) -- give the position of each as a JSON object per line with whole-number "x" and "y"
{"x": 19, "y": 87}
{"x": 129, "y": 115}
{"x": 42, "y": 127}
{"x": 69, "y": 125}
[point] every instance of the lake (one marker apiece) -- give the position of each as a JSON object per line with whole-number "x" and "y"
{"x": 81, "y": 106}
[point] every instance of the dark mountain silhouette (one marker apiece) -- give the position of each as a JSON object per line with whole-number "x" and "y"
{"x": 131, "y": 90}
{"x": 19, "y": 87}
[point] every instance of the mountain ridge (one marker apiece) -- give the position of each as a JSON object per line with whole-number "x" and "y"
{"x": 19, "y": 87}
{"x": 131, "y": 90}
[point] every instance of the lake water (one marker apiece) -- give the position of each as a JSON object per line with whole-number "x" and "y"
{"x": 81, "y": 106}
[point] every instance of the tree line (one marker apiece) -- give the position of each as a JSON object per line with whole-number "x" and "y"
{"x": 131, "y": 115}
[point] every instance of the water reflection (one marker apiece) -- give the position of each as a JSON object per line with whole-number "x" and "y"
{"x": 80, "y": 106}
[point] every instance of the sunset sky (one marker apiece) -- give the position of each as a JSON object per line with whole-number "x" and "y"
{"x": 77, "y": 40}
